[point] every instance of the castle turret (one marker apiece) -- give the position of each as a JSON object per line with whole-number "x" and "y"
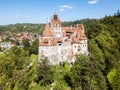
{"x": 56, "y": 25}
{"x": 47, "y": 32}
{"x": 55, "y": 16}
{"x": 47, "y": 35}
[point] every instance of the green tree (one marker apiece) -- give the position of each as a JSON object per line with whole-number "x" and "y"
{"x": 34, "y": 47}
{"x": 26, "y": 44}
{"x": 27, "y": 81}
{"x": 86, "y": 75}
{"x": 116, "y": 80}
{"x": 13, "y": 64}
{"x": 45, "y": 74}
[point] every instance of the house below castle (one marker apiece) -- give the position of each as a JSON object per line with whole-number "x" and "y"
{"x": 60, "y": 43}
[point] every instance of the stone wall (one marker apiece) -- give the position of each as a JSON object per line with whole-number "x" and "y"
{"x": 55, "y": 54}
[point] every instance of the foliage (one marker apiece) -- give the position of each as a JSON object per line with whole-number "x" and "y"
{"x": 86, "y": 75}
{"x": 111, "y": 75}
{"x": 12, "y": 67}
{"x": 26, "y": 44}
{"x": 33, "y": 49}
{"x": 60, "y": 72}
{"x": 44, "y": 73}
{"x": 116, "y": 80}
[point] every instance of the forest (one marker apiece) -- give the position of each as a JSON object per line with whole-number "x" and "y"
{"x": 20, "y": 69}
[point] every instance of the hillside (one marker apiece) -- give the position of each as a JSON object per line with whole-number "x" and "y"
{"x": 34, "y": 28}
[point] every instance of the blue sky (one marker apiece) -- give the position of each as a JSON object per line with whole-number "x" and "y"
{"x": 37, "y": 11}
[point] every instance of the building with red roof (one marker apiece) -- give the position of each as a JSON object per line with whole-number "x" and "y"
{"x": 60, "y": 43}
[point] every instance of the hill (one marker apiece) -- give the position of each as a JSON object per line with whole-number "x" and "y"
{"x": 34, "y": 28}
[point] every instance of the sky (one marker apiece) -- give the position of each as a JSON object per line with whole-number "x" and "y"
{"x": 39, "y": 11}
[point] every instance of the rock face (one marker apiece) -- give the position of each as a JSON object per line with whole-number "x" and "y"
{"x": 60, "y": 43}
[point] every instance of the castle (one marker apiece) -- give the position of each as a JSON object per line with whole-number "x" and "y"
{"x": 59, "y": 43}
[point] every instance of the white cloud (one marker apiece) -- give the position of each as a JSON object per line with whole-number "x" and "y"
{"x": 67, "y": 7}
{"x": 27, "y": 16}
{"x": 17, "y": 16}
{"x": 93, "y": 2}
{"x": 64, "y": 7}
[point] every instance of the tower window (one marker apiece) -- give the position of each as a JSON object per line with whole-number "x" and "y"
{"x": 79, "y": 50}
{"x": 59, "y": 44}
{"x": 55, "y": 17}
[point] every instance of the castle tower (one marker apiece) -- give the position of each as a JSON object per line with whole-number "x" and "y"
{"x": 47, "y": 32}
{"x": 56, "y": 26}
{"x": 46, "y": 39}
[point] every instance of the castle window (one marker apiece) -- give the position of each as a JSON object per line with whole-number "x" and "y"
{"x": 69, "y": 36}
{"x": 59, "y": 44}
{"x": 55, "y": 17}
{"x": 79, "y": 50}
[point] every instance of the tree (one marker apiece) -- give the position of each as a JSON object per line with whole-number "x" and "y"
{"x": 13, "y": 65}
{"x": 94, "y": 29}
{"x": 34, "y": 47}
{"x": 26, "y": 44}
{"x": 86, "y": 75}
{"x": 116, "y": 80}
{"x": 45, "y": 73}
{"x": 27, "y": 81}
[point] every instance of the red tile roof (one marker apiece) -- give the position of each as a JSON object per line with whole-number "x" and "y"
{"x": 48, "y": 42}
{"x": 70, "y": 34}
{"x": 55, "y": 23}
{"x": 47, "y": 31}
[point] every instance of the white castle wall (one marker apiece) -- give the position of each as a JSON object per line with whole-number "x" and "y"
{"x": 83, "y": 47}
{"x": 55, "y": 54}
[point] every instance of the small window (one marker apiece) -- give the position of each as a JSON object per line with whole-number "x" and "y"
{"x": 59, "y": 44}
{"x": 69, "y": 36}
{"x": 79, "y": 50}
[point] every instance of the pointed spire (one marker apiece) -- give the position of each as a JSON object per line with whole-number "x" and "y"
{"x": 55, "y": 13}
{"x": 55, "y": 16}
{"x": 47, "y": 32}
